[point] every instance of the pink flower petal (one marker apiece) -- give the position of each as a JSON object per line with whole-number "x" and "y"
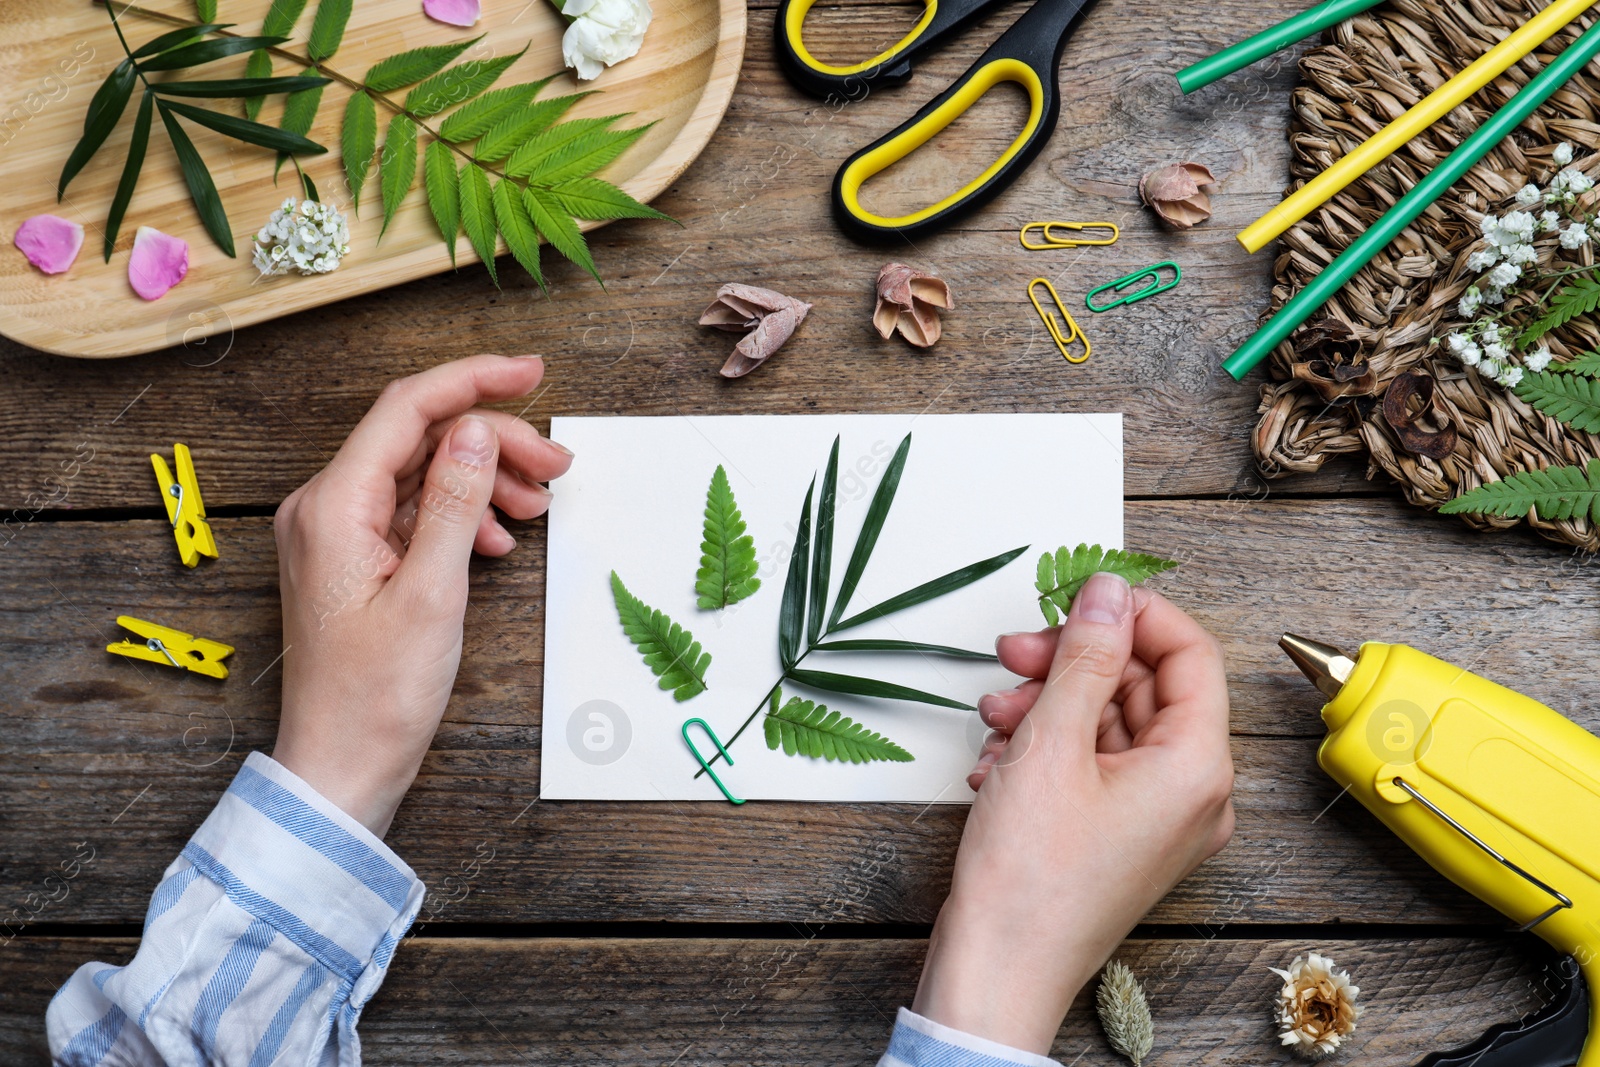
{"x": 454, "y": 12}
{"x": 50, "y": 242}
{"x": 157, "y": 264}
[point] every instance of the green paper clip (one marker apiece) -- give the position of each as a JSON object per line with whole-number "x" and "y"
{"x": 1152, "y": 272}
{"x": 702, "y": 760}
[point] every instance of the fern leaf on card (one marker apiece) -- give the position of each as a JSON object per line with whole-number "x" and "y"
{"x": 670, "y": 651}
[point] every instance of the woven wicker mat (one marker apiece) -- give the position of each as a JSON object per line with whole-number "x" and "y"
{"x": 1366, "y": 72}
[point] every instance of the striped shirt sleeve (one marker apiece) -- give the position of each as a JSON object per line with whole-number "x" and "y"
{"x": 263, "y": 942}
{"x": 920, "y": 1042}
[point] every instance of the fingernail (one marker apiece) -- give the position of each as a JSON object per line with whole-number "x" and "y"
{"x": 542, "y": 490}
{"x": 472, "y": 440}
{"x": 559, "y": 447}
{"x": 527, "y": 357}
{"x": 988, "y": 704}
{"x": 1105, "y": 598}
{"x": 986, "y": 760}
{"x": 1002, "y": 637}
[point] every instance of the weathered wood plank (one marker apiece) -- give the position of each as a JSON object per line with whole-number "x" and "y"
{"x": 88, "y": 735}
{"x": 799, "y": 1003}
{"x": 263, "y": 408}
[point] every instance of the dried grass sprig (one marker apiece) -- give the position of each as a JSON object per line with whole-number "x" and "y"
{"x": 1124, "y": 1013}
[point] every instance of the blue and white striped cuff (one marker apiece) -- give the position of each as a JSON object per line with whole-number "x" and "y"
{"x": 920, "y": 1042}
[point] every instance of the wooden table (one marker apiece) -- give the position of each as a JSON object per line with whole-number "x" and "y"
{"x": 774, "y": 933}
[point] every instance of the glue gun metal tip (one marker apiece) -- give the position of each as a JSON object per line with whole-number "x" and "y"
{"x": 1327, "y": 667}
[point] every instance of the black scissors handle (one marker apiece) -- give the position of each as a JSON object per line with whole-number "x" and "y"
{"x": 892, "y": 66}
{"x": 1029, "y": 54}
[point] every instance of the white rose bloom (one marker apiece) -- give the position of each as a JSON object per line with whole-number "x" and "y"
{"x": 1538, "y": 359}
{"x": 1507, "y": 273}
{"x": 602, "y": 32}
{"x": 1562, "y": 155}
{"x": 1482, "y": 259}
{"x": 1574, "y": 236}
{"x": 1529, "y": 195}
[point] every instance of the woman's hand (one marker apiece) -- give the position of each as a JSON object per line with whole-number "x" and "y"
{"x": 372, "y": 563}
{"x": 1106, "y": 782}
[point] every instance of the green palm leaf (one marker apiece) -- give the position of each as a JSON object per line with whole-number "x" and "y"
{"x": 174, "y": 38}
{"x": 397, "y": 167}
{"x": 408, "y": 68}
{"x": 440, "y": 181}
{"x": 1061, "y": 575}
{"x": 130, "y": 171}
{"x": 517, "y": 228}
{"x": 871, "y": 527}
{"x": 870, "y": 687}
{"x": 557, "y": 227}
{"x": 358, "y": 141}
{"x": 479, "y": 116}
{"x": 670, "y": 651}
{"x": 1573, "y": 398}
{"x": 202, "y": 190}
{"x": 105, "y": 109}
{"x": 728, "y": 566}
{"x": 477, "y": 215}
{"x": 221, "y": 88}
{"x": 1557, "y": 492}
{"x": 802, "y": 727}
{"x": 949, "y": 583}
{"x": 457, "y": 85}
{"x": 822, "y": 550}
{"x": 592, "y": 198}
{"x": 244, "y": 130}
{"x": 192, "y": 55}
{"x": 792, "y": 614}
{"x": 885, "y": 645}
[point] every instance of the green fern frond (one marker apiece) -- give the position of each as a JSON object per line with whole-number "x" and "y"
{"x": 1572, "y": 398}
{"x": 1062, "y": 574}
{"x": 1580, "y": 296}
{"x": 1587, "y": 364}
{"x": 1557, "y": 493}
{"x": 670, "y": 651}
{"x": 803, "y": 727}
{"x": 728, "y": 566}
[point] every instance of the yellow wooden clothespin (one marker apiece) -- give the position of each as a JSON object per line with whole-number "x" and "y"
{"x": 185, "y": 510}
{"x": 173, "y": 648}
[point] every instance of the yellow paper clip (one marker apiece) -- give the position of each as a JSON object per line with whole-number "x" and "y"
{"x": 174, "y": 648}
{"x": 1053, "y": 241}
{"x": 1062, "y": 341}
{"x": 185, "y": 510}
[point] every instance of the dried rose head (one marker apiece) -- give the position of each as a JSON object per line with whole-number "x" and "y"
{"x": 1316, "y": 1008}
{"x": 769, "y": 316}
{"x": 910, "y": 301}
{"x": 1173, "y": 193}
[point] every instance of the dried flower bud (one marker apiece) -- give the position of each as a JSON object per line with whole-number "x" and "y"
{"x": 770, "y": 317}
{"x": 1316, "y": 1008}
{"x": 910, "y": 301}
{"x": 1329, "y": 359}
{"x": 1173, "y": 193}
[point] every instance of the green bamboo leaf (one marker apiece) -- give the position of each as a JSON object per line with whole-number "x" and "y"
{"x": 949, "y": 583}
{"x": 822, "y": 554}
{"x": 1061, "y": 575}
{"x": 592, "y": 198}
{"x": 206, "y": 9}
{"x": 408, "y": 68}
{"x": 202, "y": 190}
{"x": 557, "y": 227}
{"x": 1588, "y": 363}
{"x": 670, "y": 651}
{"x": 583, "y": 156}
{"x": 282, "y": 15}
{"x": 477, "y": 215}
{"x": 792, "y": 615}
{"x": 802, "y": 727}
{"x": 327, "y": 29}
{"x": 869, "y": 687}
{"x": 457, "y": 85}
{"x": 173, "y": 38}
{"x": 258, "y": 65}
{"x": 1557, "y": 492}
{"x": 1572, "y": 398}
{"x": 532, "y": 155}
{"x": 192, "y": 55}
{"x": 440, "y": 182}
{"x": 221, "y": 88}
{"x": 310, "y": 188}
{"x": 871, "y": 527}
{"x": 130, "y": 171}
{"x": 477, "y": 117}
{"x": 517, "y": 228}
{"x": 728, "y": 565}
{"x": 245, "y": 130}
{"x": 877, "y": 645}
{"x": 105, "y": 109}
{"x": 517, "y": 128}
{"x": 397, "y": 165}
{"x": 358, "y": 141}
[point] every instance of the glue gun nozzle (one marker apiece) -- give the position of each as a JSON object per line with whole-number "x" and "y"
{"x": 1326, "y": 666}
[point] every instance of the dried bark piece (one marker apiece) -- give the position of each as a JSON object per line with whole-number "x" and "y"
{"x": 1397, "y": 404}
{"x": 910, "y": 301}
{"x": 1331, "y": 361}
{"x": 769, "y": 316}
{"x": 1173, "y": 192}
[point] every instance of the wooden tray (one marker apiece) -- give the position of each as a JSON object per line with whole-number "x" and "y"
{"x": 55, "y": 53}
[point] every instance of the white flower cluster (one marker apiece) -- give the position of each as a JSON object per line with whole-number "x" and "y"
{"x": 1507, "y": 258}
{"x": 303, "y": 236}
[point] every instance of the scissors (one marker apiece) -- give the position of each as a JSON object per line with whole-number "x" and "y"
{"x": 1029, "y": 54}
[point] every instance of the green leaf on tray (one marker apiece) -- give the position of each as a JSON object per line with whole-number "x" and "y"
{"x": 516, "y": 226}
{"x": 949, "y": 583}
{"x": 1580, "y": 296}
{"x": 457, "y": 85}
{"x": 130, "y": 171}
{"x": 244, "y": 130}
{"x": 804, "y": 728}
{"x": 481, "y": 115}
{"x": 282, "y": 15}
{"x": 192, "y": 55}
{"x": 792, "y": 613}
{"x": 670, "y": 651}
{"x": 557, "y": 227}
{"x": 444, "y": 192}
{"x": 327, "y": 29}
{"x": 258, "y": 65}
{"x": 173, "y": 38}
{"x": 477, "y": 215}
{"x": 408, "y": 68}
{"x": 221, "y": 88}
{"x": 1062, "y": 574}
{"x": 206, "y": 9}
{"x": 202, "y": 190}
{"x": 592, "y": 198}
{"x": 728, "y": 566}
{"x": 537, "y": 152}
{"x": 105, "y": 108}
{"x": 358, "y": 141}
{"x": 518, "y": 127}
{"x": 870, "y": 687}
{"x": 887, "y": 645}
{"x": 397, "y": 166}
{"x": 1557, "y": 492}
{"x": 1574, "y": 398}
{"x": 871, "y": 527}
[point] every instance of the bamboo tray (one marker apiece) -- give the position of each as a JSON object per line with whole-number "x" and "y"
{"x": 55, "y": 53}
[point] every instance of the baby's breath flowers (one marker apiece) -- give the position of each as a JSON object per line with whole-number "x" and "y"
{"x": 1508, "y": 264}
{"x": 303, "y": 236}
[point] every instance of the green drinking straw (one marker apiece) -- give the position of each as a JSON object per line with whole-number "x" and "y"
{"x": 1267, "y": 42}
{"x": 1318, "y": 291}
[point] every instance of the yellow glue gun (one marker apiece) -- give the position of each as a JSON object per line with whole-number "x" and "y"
{"x": 1499, "y": 793}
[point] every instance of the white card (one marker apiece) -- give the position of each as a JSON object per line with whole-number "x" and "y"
{"x": 974, "y": 486}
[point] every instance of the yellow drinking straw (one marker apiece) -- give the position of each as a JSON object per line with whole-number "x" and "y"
{"x": 1423, "y": 114}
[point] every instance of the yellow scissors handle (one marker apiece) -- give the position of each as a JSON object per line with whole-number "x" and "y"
{"x": 1028, "y": 54}
{"x": 892, "y": 66}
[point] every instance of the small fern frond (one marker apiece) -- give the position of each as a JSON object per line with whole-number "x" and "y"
{"x": 805, "y": 728}
{"x": 1061, "y": 574}
{"x": 1557, "y": 493}
{"x": 670, "y": 651}
{"x": 728, "y": 565}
